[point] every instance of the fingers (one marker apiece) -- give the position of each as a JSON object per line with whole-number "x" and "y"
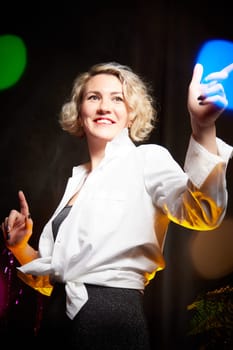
{"x": 17, "y": 221}
{"x": 197, "y": 73}
{"x": 214, "y": 94}
{"x": 228, "y": 69}
{"x": 16, "y": 228}
{"x": 5, "y": 229}
{"x": 220, "y": 75}
{"x": 12, "y": 220}
{"x": 212, "y": 89}
{"x": 29, "y": 225}
{"x": 217, "y": 100}
{"x": 24, "y": 209}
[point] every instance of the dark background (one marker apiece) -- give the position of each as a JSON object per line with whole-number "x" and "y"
{"x": 160, "y": 41}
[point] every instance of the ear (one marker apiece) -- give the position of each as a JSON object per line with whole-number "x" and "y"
{"x": 79, "y": 120}
{"x": 130, "y": 122}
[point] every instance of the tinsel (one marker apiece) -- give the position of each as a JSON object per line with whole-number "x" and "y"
{"x": 12, "y": 293}
{"x": 212, "y": 318}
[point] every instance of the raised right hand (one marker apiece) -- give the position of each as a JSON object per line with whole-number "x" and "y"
{"x": 17, "y": 226}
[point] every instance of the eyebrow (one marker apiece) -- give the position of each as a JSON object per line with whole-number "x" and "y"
{"x": 98, "y": 92}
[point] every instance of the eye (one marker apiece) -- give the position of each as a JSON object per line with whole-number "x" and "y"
{"x": 118, "y": 98}
{"x": 93, "y": 97}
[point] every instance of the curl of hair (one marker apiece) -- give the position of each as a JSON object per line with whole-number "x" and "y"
{"x": 137, "y": 94}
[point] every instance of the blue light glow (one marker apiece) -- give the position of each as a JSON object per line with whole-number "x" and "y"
{"x": 214, "y": 55}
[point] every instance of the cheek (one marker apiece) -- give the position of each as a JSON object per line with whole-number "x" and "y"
{"x": 83, "y": 111}
{"x": 86, "y": 112}
{"x": 124, "y": 116}
{"x": 122, "y": 111}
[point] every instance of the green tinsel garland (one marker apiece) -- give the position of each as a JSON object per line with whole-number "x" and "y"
{"x": 212, "y": 319}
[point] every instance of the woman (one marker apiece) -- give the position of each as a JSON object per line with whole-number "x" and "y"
{"x": 105, "y": 240}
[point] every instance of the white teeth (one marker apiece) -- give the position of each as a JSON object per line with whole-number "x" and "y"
{"x": 104, "y": 121}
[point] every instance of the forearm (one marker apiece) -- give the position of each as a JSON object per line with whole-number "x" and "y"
{"x": 206, "y": 136}
{"x": 24, "y": 254}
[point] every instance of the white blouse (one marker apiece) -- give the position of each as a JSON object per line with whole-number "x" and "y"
{"x": 115, "y": 231}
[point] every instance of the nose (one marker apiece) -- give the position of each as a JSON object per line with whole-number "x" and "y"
{"x": 104, "y": 105}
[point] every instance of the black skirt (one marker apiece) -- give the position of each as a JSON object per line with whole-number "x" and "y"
{"x": 112, "y": 319}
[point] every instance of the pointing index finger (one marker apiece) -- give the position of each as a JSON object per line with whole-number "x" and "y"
{"x": 24, "y": 209}
{"x": 228, "y": 69}
{"x": 221, "y": 75}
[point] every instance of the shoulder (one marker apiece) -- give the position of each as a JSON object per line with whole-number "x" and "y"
{"x": 153, "y": 150}
{"x": 80, "y": 169}
{"x": 154, "y": 155}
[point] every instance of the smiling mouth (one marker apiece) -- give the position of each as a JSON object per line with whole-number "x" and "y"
{"x": 104, "y": 121}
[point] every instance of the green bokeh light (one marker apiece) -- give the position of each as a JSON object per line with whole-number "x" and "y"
{"x": 13, "y": 59}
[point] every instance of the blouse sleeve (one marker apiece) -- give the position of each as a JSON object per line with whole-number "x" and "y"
{"x": 195, "y": 197}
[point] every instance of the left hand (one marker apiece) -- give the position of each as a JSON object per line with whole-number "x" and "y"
{"x": 206, "y": 101}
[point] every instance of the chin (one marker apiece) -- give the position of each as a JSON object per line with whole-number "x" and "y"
{"x": 107, "y": 135}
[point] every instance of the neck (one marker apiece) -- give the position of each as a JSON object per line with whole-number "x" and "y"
{"x": 96, "y": 153}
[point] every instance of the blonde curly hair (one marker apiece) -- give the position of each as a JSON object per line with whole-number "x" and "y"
{"x": 137, "y": 94}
